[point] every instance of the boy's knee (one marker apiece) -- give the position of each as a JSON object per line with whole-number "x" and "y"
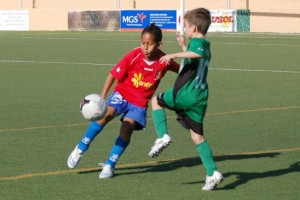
{"x": 154, "y": 103}
{"x": 197, "y": 138}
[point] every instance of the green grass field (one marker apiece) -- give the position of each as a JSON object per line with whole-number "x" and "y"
{"x": 252, "y": 121}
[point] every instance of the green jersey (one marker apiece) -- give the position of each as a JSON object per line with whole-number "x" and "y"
{"x": 190, "y": 92}
{"x": 189, "y": 95}
{"x": 193, "y": 71}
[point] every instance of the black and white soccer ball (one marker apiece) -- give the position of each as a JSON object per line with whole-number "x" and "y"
{"x": 93, "y": 107}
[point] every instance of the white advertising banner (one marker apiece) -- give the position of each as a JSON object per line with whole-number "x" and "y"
{"x": 14, "y": 20}
{"x": 221, "y": 21}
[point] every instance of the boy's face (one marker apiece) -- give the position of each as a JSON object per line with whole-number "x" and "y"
{"x": 149, "y": 46}
{"x": 189, "y": 29}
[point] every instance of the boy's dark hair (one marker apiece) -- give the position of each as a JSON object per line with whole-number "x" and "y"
{"x": 155, "y": 31}
{"x": 199, "y": 17}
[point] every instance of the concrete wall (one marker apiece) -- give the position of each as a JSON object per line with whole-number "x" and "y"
{"x": 266, "y": 15}
{"x": 45, "y": 19}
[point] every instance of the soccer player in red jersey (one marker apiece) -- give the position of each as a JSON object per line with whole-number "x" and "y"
{"x": 138, "y": 75}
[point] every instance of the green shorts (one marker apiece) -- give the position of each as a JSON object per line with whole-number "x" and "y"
{"x": 190, "y": 107}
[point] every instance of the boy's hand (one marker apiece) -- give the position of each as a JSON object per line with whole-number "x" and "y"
{"x": 181, "y": 40}
{"x": 166, "y": 59}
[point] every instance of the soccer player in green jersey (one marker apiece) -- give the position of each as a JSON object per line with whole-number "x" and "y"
{"x": 189, "y": 96}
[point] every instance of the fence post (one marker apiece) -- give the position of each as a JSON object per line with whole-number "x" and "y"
{"x": 118, "y": 4}
{"x": 182, "y": 16}
{"x": 134, "y": 4}
{"x": 228, "y": 4}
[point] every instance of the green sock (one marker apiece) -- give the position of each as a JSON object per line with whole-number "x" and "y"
{"x": 160, "y": 122}
{"x": 205, "y": 153}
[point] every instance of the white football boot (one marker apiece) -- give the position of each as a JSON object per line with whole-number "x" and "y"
{"x": 107, "y": 172}
{"x": 159, "y": 145}
{"x": 211, "y": 182}
{"x": 74, "y": 158}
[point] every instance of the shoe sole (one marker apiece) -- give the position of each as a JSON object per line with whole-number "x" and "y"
{"x": 218, "y": 182}
{"x": 157, "y": 153}
{"x": 105, "y": 177}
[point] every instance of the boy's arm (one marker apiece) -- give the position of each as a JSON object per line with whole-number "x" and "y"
{"x": 173, "y": 66}
{"x": 107, "y": 85}
{"x": 186, "y": 54}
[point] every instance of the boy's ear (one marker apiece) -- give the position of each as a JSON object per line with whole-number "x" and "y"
{"x": 160, "y": 44}
{"x": 195, "y": 29}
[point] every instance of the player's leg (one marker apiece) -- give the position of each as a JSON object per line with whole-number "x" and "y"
{"x": 213, "y": 177}
{"x": 204, "y": 152}
{"x": 160, "y": 122}
{"x": 92, "y": 131}
{"x": 118, "y": 148}
{"x": 159, "y": 118}
{"x": 166, "y": 100}
{"x": 133, "y": 119}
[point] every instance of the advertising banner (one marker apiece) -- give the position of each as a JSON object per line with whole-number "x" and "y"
{"x": 135, "y": 20}
{"x": 221, "y": 21}
{"x": 14, "y": 20}
{"x": 94, "y": 21}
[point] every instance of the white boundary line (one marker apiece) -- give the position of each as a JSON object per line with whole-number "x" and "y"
{"x": 110, "y": 64}
{"x": 53, "y": 62}
{"x": 256, "y": 70}
{"x": 165, "y": 41}
{"x": 256, "y": 44}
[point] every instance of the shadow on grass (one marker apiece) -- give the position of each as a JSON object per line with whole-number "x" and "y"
{"x": 173, "y": 164}
{"x": 242, "y": 177}
{"x": 169, "y": 165}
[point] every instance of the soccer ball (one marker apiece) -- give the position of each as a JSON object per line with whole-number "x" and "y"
{"x": 93, "y": 107}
